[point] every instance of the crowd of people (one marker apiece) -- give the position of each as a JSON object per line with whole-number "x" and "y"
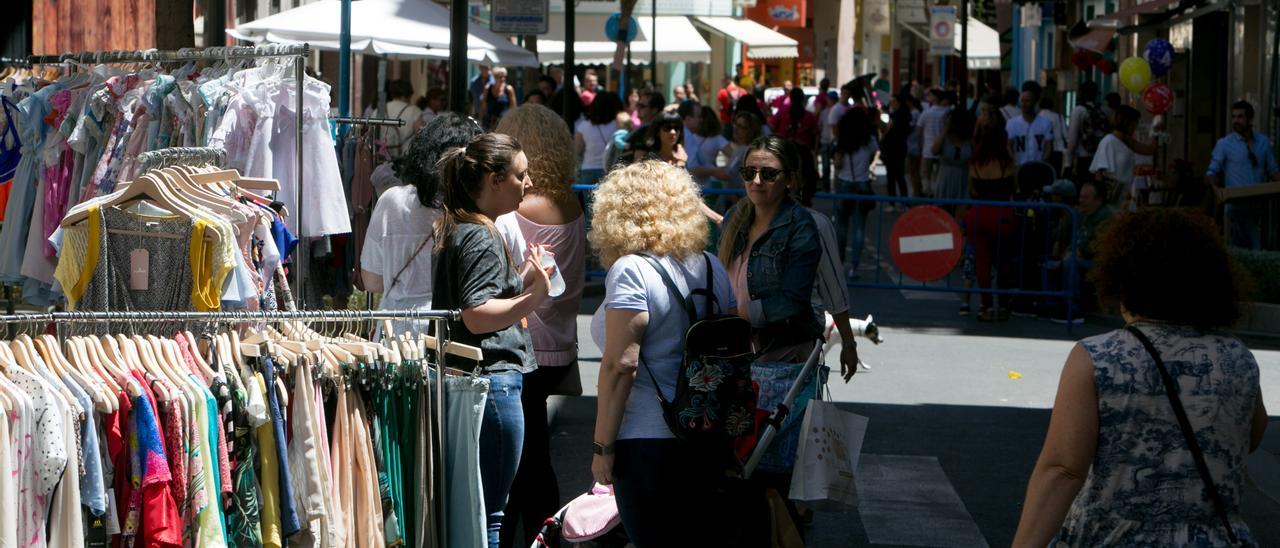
{"x": 488, "y": 218}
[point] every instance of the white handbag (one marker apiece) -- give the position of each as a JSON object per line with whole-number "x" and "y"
{"x": 830, "y": 444}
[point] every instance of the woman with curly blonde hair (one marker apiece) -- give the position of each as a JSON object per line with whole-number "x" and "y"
{"x": 652, "y": 209}
{"x": 549, "y": 216}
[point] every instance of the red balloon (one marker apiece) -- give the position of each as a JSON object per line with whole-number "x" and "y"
{"x": 1082, "y": 59}
{"x": 1105, "y": 65}
{"x": 1158, "y": 98}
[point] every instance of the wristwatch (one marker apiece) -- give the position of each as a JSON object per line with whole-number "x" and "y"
{"x": 601, "y": 449}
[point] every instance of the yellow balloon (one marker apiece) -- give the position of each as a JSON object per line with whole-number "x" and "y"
{"x": 1135, "y": 74}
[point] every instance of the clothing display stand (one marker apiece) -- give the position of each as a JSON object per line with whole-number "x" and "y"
{"x": 439, "y": 319}
{"x": 367, "y": 121}
{"x": 299, "y": 54}
{"x": 181, "y": 156}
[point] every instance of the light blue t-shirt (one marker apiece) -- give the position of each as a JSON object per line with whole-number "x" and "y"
{"x": 93, "y": 492}
{"x": 633, "y": 284}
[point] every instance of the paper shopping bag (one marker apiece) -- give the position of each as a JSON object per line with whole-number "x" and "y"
{"x": 831, "y": 442}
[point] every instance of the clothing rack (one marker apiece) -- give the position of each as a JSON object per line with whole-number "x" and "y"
{"x": 439, "y": 317}
{"x": 167, "y": 157}
{"x": 298, "y": 52}
{"x": 367, "y": 121}
{"x": 10, "y": 61}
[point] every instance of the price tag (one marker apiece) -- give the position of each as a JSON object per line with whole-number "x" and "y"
{"x": 139, "y": 269}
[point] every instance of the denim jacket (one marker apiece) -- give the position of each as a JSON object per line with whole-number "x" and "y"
{"x": 781, "y": 271}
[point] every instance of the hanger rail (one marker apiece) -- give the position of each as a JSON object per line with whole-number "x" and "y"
{"x": 367, "y": 121}
{"x": 245, "y": 316}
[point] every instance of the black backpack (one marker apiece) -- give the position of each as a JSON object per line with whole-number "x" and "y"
{"x": 715, "y": 400}
{"x": 1094, "y": 127}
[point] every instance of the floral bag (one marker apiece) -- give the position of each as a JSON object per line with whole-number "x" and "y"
{"x": 715, "y": 399}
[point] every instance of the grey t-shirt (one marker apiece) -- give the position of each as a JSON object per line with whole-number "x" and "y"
{"x": 472, "y": 268}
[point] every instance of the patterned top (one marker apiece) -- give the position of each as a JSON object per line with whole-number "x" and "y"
{"x": 1143, "y": 488}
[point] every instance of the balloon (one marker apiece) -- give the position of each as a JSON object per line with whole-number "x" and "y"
{"x": 1159, "y": 54}
{"x": 1082, "y": 59}
{"x": 1158, "y": 98}
{"x": 1135, "y": 74}
{"x": 1105, "y": 65}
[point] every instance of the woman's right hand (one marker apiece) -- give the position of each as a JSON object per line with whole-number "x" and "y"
{"x": 541, "y": 276}
{"x": 602, "y": 469}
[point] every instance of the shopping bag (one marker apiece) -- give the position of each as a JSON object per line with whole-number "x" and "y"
{"x": 774, "y": 380}
{"x": 827, "y": 456}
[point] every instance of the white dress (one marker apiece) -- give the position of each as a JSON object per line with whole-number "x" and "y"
{"x": 323, "y": 202}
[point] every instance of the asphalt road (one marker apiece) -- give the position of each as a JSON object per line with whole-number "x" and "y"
{"x": 958, "y": 411}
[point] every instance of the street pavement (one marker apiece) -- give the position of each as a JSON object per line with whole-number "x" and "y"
{"x": 958, "y": 411}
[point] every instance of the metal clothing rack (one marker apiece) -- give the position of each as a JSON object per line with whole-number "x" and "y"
{"x": 367, "y": 121}
{"x": 438, "y": 317}
{"x": 167, "y": 157}
{"x": 298, "y": 52}
{"x": 10, "y": 61}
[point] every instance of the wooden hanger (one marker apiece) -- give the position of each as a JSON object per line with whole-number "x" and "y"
{"x": 150, "y": 366}
{"x": 201, "y": 365}
{"x": 146, "y": 187}
{"x": 73, "y": 367}
{"x": 106, "y": 386}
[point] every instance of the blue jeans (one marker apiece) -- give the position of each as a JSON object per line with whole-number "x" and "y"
{"x": 828, "y": 150}
{"x": 1244, "y": 222}
{"x": 590, "y": 176}
{"x": 501, "y": 441}
{"x": 850, "y": 212}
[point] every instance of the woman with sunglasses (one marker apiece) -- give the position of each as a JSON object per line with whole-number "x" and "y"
{"x": 771, "y": 248}
{"x": 664, "y": 141}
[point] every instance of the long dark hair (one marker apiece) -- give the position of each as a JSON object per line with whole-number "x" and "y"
{"x": 653, "y": 140}
{"x": 419, "y": 164}
{"x": 604, "y": 108}
{"x": 853, "y": 130}
{"x": 786, "y": 154}
{"x": 462, "y": 171}
{"x": 796, "y": 112}
{"x": 991, "y": 144}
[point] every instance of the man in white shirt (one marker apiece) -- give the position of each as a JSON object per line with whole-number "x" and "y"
{"x": 830, "y": 118}
{"x": 1030, "y": 135}
{"x": 931, "y": 125}
{"x": 400, "y": 106}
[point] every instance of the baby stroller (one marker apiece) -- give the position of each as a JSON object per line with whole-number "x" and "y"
{"x": 591, "y": 520}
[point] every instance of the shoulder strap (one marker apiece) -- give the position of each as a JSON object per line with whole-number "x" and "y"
{"x": 1172, "y": 391}
{"x": 684, "y": 303}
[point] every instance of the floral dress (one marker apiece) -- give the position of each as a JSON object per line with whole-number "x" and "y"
{"x": 1143, "y": 488}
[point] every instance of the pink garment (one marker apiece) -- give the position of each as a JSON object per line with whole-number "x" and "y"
{"x": 738, "y": 278}
{"x": 554, "y": 325}
{"x": 57, "y": 176}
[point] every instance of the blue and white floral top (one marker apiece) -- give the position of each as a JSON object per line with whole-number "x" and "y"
{"x": 1143, "y": 488}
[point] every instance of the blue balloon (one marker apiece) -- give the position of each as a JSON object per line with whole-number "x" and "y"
{"x": 1159, "y": 54}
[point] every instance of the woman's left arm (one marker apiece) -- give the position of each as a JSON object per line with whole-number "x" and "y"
{"x": 1067, "y": 454}
{"x": 511, "y": 95}
{"x": 624, "y": 329}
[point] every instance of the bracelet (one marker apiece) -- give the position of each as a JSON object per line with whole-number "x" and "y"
{"x": 598, "y": 448}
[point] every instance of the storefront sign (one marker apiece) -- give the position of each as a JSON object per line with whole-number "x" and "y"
{"x": 519, "y": 16}
{"x": 778, "y": 13}
{"x": 876, "y": 18}
{"x": 912, "y": 12}
{"x": 942, "y": 30}
{"x": 1031, "y": 15}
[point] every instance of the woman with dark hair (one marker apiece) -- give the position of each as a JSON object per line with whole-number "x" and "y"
{"x": 770, "y": 246}
{"x": 592, "y": 135}
{"x": 893, "y": 147}
{"x": 855, "y": 149}
{"x": 474, "y": 272}
{"x": 664, "y": 141}
{"x": 396, "y": 258}
{"x": 991, "y": 229}
{"x": 1152, "y": 423}
{"x": 954, "y": 148}
{"x": 772, "y": 249}
{"x": 751, "y": 104}
{"x": 795, "y": 123}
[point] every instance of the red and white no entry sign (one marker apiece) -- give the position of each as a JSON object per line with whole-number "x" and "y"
{"x": 925, "y": 243}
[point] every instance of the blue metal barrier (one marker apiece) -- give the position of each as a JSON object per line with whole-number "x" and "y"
{"x": 1032, "y": 248}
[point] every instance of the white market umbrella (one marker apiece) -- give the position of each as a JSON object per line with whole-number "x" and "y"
{"x": 391, "y": 27}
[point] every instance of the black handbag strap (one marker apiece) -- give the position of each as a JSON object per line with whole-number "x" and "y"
{"x": 1171, "y": 390}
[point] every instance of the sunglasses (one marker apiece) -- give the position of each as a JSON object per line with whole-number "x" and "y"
{"x": 767, "y": 174}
